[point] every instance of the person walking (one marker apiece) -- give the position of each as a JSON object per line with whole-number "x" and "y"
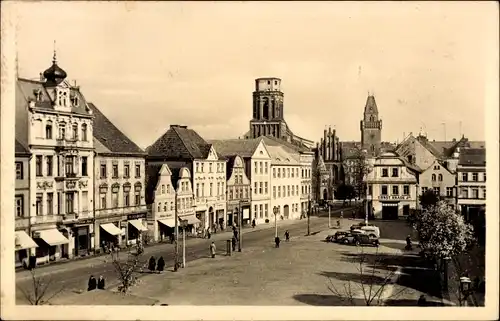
{"x": 422, "y": 301}
{"x": 152, "y": 264}
{"x": 253, "y": 223}
{"x": 212, "y": 249}
{"x": 92, "y": 283}
{"x": 287, "y": 236}
{"x": 101, "y": 283}
{"x": 233, "y": 243}
{"x": 208, "y": 234}
{"x": 160, "y": 265}
{"x": 277, "y": 241}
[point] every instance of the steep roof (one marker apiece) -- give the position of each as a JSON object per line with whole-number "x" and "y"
{"x": 20, "y": 149}
{"x": 279, "y": 156}
{"x": 152, "y": 176}
{"x": 425, "y": 142}
{"x": 230, "y": 147}
{"x": 289, "y": 147}
{"x": 111, "y": 137}
{"x": 472, "y": 157}
{"x": 371, "y": 105}
{"x": 180, "y": 142}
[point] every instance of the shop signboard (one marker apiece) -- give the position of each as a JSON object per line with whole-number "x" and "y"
{"x": 136, "y": 216}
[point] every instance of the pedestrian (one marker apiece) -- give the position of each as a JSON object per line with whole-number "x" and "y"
{"x": 101, "y": 283}
{"x": 152, "y": 264}
{"x": 160, "y": 265}
{"x": 233, "y": 243}
{"x": 208, "y": 233}
{"x": 287, "y": 235}
{"x": 92, "y": 283}
{"x": 422, "y": 301}
{"x": 212, "y": 249}
{"x": 341, "y": 214}
{"x": 277, "y": 241}
{"x": 253, "y": 223}
{"x": 171, "y": 236}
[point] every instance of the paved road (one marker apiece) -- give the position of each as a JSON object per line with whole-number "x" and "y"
{"x": 76, "y": 278}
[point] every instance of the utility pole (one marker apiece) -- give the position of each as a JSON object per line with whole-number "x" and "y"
{"x": 309, "y": 217}
{"x": 176, "y": 255}
{"x": 275, "y": 211}
{"x": 329, "y": 215}
{"x": 240, "y": 220}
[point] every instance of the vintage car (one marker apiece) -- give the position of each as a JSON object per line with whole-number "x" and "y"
{"x": 364, "y": 239}
{"x": 348, "y": 238}
{"x": 369, "y": 229}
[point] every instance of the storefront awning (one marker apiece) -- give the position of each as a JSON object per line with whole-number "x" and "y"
{"x": 111, "y": 229}
{"x": 169, "y": 222}
{"x": 24, "y": 241}
{"x": 191, "y": 219}
{"x": 52, "y": 237}
{"x": 138, "y": 225}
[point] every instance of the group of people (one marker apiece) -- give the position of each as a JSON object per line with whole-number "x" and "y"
{"x": 96, "y": 284}
{"x": 277, "y": 239}
{"x": 156, "y": 266}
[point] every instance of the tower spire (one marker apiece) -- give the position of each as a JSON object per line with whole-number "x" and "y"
{"x": 54, "y": 59}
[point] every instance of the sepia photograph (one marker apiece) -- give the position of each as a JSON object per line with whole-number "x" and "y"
{"x": 259, "y": 160}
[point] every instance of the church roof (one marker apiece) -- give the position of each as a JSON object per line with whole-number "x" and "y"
{"x": 472, "y": 157}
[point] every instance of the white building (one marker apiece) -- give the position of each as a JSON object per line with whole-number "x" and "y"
{"x": 119, "y": 172}
{"x": 306, "y": 162}
{"x": 285, "y": 183}
{"x": 257, "y": 164}
{"x": 438, "y": 178}
{"x": 471, "y": 185}
{"x": 392, "y": 186}
{"x": 182, "y": 147}
{"x": 54, "y": 120}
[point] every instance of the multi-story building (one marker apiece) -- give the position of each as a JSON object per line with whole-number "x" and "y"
{"x": 55, "y": 122}
{"x": 164, "y": 188}
{"x": 238, "y": 192}
{"x": 257, "y": 168}
{"x": 471, "y": 182}
{"x": 329, "y": 148}
{"x": 24, "y": 243}
{"x": 183, "y": 147}
{"x": 392, "y": 186}
{"x": 119, "y": 172}
{"x": 268, "y": 113}
{"x": 286, "y": 183}
{"x": 440, "y": 179}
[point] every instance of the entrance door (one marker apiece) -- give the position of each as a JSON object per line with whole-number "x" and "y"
{"x": 82, "y": 241}
{"x": 286, "y": 211}
{"x": 406, "y": 210}
{"x": 389, "y": 212}
{"x": 325, "y": 195}
{"x": 211, "y": 218}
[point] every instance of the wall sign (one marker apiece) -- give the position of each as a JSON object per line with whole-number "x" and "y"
{"x": 394, "y": 197}
{"x": 136, "y": 216}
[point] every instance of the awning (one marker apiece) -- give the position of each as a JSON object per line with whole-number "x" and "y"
{"x": 111, "y": 229}
{"x": 138, "y": 225}
{"x": 169, "y": 222}
{"x": 52, "y": 237}
{"x": 191, "y": 219}
{"x": 24, "y": 241}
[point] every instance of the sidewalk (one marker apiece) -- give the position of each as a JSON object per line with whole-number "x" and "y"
{"x": 104, "y": 258}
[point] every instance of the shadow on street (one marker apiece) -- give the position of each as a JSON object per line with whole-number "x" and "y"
{"x": 334, "y": 300}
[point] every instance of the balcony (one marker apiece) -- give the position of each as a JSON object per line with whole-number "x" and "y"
{"x": 119, "y": 211}
{"x": 66, "y": 143}
{"x": 43, "y": 219}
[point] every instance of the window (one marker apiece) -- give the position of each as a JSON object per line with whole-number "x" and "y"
{"x": 266, "y": 210}
{"x": 75, "y": 132}
{"x": 475, "y": 193}
{"x": 410, "y": 159}
{"x": 62, "y": 130}
{"x": 384, "y": 190}
{"x": 162, "y": 189}
{"x": 433, "y": 177}
{"x": 103, "y": 170}
{"x": 85, "y": 201}
{"x": 464, "y": 177}
{"x": 19, "y": 206}
{"x": 293, "y": 172}
{"x": 19, "y": 170}
{"x": 255, "y": 210}
{"x": 202, "y": 169}
{"x": 265, "y": 170}
{"x": 424, "y": 189}
{"x": 385, "y": 172}
{"x": 115, "y": 170}
{"x": 48, "y": 130}
{"x": 395, "y": 190}
{"x": 274, "y": 172}
{"x": 38, "y": 165}
{"x": 69, "y": 165}
{"x": 260, "y": 187}
{"x": 255, "y": 165}
{"x": 209, "y": 167}
{"x": 126, "y": 198}
{"x": 103, "y": 201}
{"x": 137, "y": 170}
{"x": 231, "y": 194}
{"x": 484, "y": 192}
{"x": 265, "y": 188}
{"x": 484, "y": 176}
{"x": 261, "y": 212}
{"x": 449, "y": 192}
{"x": 279, "y": 191}
{"x": 279, "y": 172}
{"x": 436, "y": 167}
{"x": 440, "y": 177}
{"x": 84, "y": 166}
{"x": 288, "y": 190}
{"x": 474, "y": 177}
{"x": 84, "y": 132}
{"x": 50, "y": 203}
{"x": 137, "y": 198}
{"x": 211, "y": 187}
{"x": 465, "y": 192}
{"x": 159, "y": 207}
{"x": 114, "y": 199}
{"x": 437, "y": 190}
{"x": 197, "y": 167}
{"x": 70, "y": 199}
{"x": 126, "y": 171}
{"x": 406, "y": 190}
{"x": 274, "y": 191}
{"x": 288, "y": 172}
{"x": 261, "y": 168}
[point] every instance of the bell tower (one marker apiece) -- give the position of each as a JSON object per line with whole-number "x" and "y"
{"x": 371, "y": 127}
{"x": 267, "y": 117}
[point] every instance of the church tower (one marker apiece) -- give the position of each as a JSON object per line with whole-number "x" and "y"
{"x": 371, "y": 127}
{"x": 268, "y": 118}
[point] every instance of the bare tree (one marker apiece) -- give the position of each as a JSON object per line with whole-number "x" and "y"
{"x": 128, "y": 268}
{"x": 373, "y": 280}
{"x": 359, "y": 169}
{"x": 39, "y": 293}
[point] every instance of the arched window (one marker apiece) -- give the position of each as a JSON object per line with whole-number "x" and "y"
{"x": 48, "y": 130}
{"x": 433, "y": 177}
{"x": 440, "y": 177}
{"x": 75, "y": 131}
{"x": 163, "y": 189}
{"x": 159, "y": 207}
{"x": 62, "y": 130}
{"x": 84, "y": 132}
{"x": 165, "y": 207}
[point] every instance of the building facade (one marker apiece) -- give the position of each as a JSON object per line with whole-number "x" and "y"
{"x": 25, "y": 246}
{"x": 119, "y": 172}
{"x": 330, "y": 150}
{"x": 471, "y": 182}
{"x": 392, "y": 187}
{"x": 257, "y": 166}
{"x": 440, "y": 180}
{"x": 306, "y": 195}
{"x": 183, "y": 147}
{"x": 54, "y": 120}
{"x": 238, "y": 192}
{"x": 286, "y": 183}
{"x": 322, "y": 188}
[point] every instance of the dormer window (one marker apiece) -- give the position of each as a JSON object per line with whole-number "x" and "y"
{"x": 74, "y": 99}
{"x": 62, "y": 97}
{"x": 38, "y": 94}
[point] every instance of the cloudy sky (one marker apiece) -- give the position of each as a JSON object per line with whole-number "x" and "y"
{"x": 149, "y": 65}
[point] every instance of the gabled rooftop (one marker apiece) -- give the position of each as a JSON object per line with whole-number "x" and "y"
{"x": 180, "y": 142}
{"x": 472, "y": 157}
{"x": 230, "y": 147}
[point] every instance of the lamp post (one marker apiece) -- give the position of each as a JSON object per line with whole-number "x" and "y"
{"x": 465, "y": 284}
{"x": 239, "y": 213}
{"x": 309, "y": 216}
{"x": 176, "y": 255}
{"x": 275, "y": 211}
{"x": 329, "y": 214}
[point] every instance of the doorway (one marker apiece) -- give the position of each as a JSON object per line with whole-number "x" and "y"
{"x": 286, "y": 211}
{"x": 390, "y": 211}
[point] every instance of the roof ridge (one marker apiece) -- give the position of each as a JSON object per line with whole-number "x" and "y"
{"x": 182, "y": 140}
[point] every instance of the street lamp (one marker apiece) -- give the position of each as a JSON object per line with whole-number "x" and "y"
{"x": 309, "y": 216}
{"x": 465, "y": 290}
{"x": 176, "y": 255}
{"x": 239, "y": 214}
{"x": 276, "y": 211}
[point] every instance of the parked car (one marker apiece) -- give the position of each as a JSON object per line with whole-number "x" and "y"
{"x": 339, "y": 235}
{"x": 348, "y": 238}
{"x": 330, "y": 238}
{"x": 364, "y": 239}
{"x": 369, "y": 229}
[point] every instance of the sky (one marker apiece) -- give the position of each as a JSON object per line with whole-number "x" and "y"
{"x": 149, "y": 65}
